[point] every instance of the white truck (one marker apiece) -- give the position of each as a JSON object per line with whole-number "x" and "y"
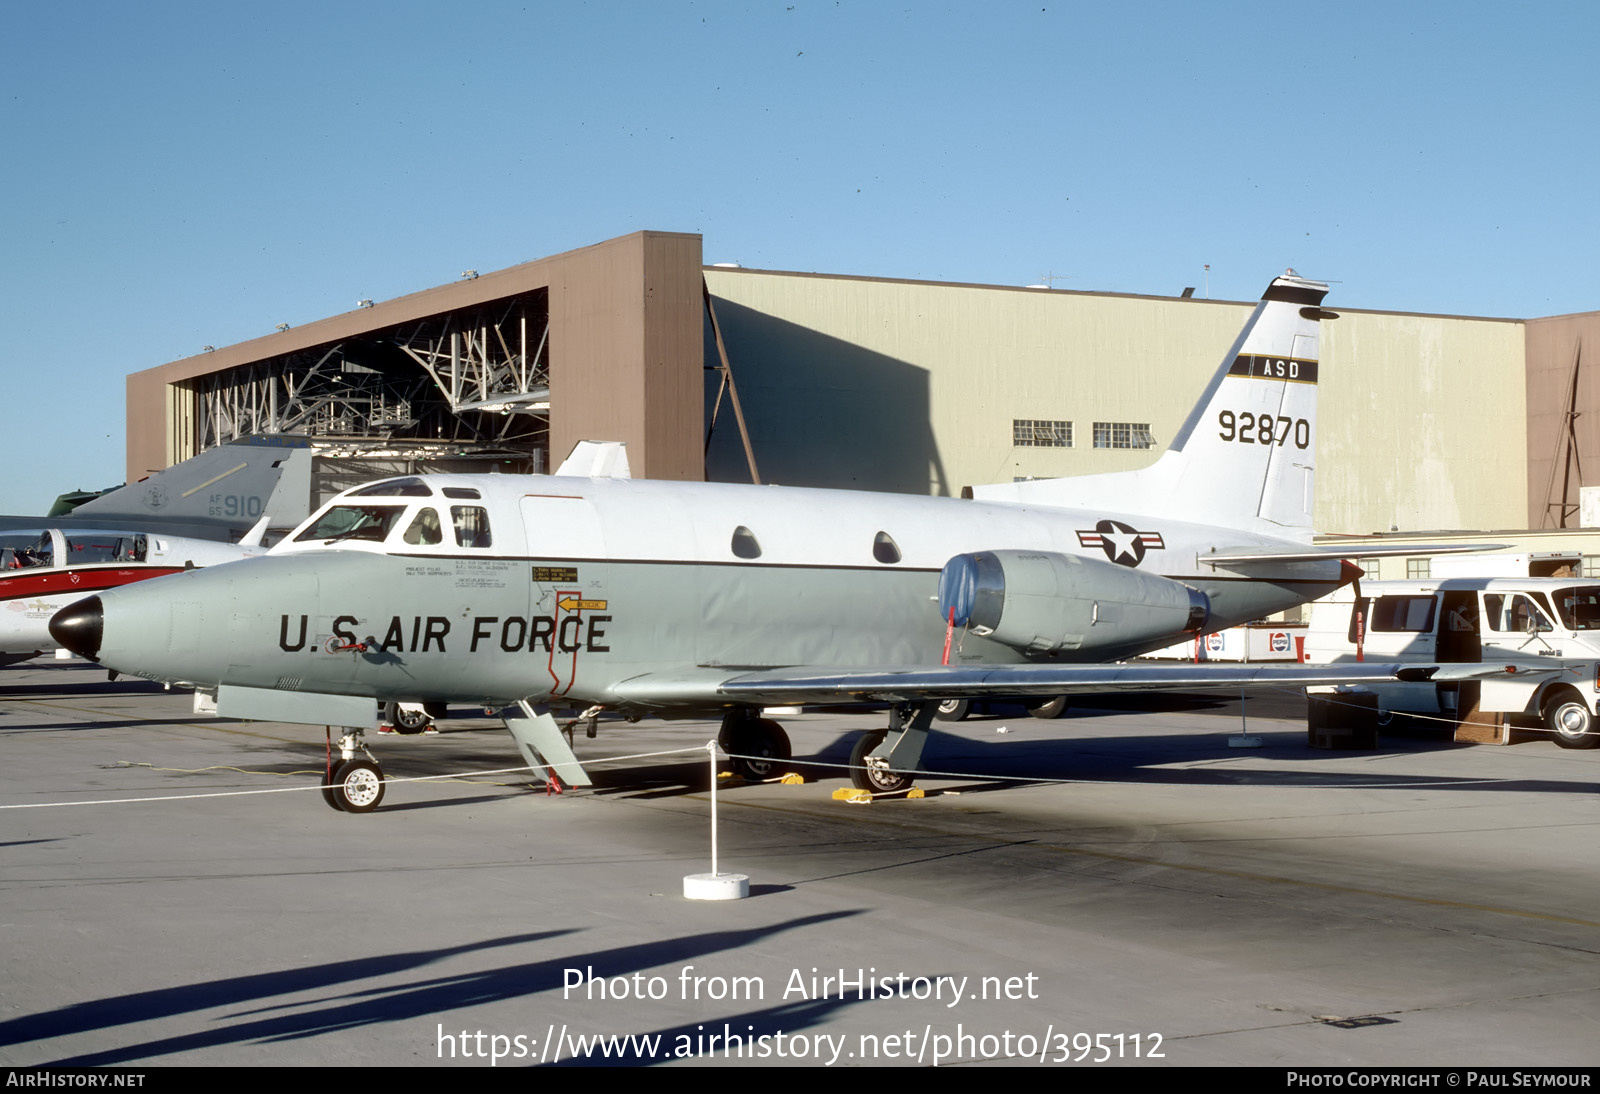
{"x": 1522, "y": 622}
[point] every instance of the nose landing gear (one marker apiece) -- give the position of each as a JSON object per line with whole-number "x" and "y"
{"x": 351, "y": 785}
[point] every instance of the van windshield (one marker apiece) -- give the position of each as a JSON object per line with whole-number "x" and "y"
{"x": 1579, "y": 607}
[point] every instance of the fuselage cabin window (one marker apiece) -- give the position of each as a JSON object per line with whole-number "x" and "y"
{"x": 744, "y": 543}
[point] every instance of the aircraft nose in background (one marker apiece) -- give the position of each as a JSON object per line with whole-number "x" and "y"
{"x": 79, "y": 626}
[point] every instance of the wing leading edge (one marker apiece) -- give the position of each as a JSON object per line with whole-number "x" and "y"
{"x": 823, "y": 686}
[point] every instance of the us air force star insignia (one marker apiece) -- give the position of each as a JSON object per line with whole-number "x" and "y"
{"x": 1123, "y": 545}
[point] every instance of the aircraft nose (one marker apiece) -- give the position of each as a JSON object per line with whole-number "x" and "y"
{"x": 79, "y": 626}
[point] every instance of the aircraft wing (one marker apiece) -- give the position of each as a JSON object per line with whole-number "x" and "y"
{"x": 817, "y": 685}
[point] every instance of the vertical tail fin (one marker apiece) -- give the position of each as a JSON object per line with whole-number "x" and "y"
{"x": 1246, "y": 455}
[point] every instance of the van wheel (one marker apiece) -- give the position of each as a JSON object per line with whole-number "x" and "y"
{"x": 1569, "y": 719}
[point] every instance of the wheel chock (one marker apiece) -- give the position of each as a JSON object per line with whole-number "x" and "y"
{"x": 852, "y": 796}
{"x": 793, "y": 778}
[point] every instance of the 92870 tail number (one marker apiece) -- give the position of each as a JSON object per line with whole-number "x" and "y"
{"x": 1248, "y": 428}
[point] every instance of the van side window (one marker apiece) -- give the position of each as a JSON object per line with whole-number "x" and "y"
{"x": 472, "y": 525}
{"x": 1511, "y": 614}
{"x": 1403, "y": 613}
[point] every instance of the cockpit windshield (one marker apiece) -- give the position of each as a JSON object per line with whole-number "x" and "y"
{"x": 364, "y": 522}
{"x": 101, "y": 547}
{"x": 394, "y": 488}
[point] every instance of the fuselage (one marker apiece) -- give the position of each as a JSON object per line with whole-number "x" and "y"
{"x": 499, "y": 588}
{"x": 44, "y": 570}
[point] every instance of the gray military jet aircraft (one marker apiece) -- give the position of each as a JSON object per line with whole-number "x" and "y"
{"x": 680, "y": 598}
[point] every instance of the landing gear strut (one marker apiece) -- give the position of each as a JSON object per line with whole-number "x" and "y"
{"x": 883, "y": 760}
{"x": 757, "y": 747}
{"x": 351, "y": 785}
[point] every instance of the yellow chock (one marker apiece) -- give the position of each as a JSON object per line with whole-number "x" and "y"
{"x": 915, "y": 792}
{"x": 852, "y": 796}
{"x": 793, "y": 778}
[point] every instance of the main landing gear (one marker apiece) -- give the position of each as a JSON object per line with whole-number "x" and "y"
{"x": 757, "y": 747}
{"x": 883, "y": 760}
{"x": 406, "y": 718}
{"x": 352, "y": 785}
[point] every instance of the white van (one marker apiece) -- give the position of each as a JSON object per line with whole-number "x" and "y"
{"x": 1511, "y": 621}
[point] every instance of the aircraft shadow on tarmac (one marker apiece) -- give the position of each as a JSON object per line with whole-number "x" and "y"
{"x": 346, "y": 1007}
{"x": 77, "y": 689}
{"x": 1033, "y": 749}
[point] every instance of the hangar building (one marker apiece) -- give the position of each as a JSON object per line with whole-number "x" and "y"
{"x": 1425, "y": 422}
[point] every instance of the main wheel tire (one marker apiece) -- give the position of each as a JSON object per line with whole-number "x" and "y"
{"x": 1048, "y": 708}
{"x": 953, "y": 710}
{"x": 406, "y": 718}
{"x": 766, "y": 745}
{"x": 358, "y": 785}
{"x": 330, "y": 793}
{"x": 1572, "y": 723}
{"x": 875, "y": 780}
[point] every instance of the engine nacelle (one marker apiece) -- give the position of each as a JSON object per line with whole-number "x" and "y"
{"x": 1047, "y": 603}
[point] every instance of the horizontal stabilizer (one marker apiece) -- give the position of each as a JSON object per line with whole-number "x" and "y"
{"x": 1229, "y": 556}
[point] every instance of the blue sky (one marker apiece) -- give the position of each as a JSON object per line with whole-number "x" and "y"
{"x": 179, "y": 175}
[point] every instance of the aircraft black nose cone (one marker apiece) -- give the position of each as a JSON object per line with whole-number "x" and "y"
{"x": 78, "y": 627}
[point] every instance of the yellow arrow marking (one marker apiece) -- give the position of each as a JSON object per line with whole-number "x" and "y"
{"x": 571, "y": 603}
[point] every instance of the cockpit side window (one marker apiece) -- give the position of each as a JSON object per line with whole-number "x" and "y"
{"x": 472, "y": 525}
{"x": 425, "y": 528}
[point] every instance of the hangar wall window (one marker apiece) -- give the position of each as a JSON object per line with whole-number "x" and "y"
{"x": 1590, "y": 567}
{"x": 885, "y": 549}
{"x": 1419, "y": 569}
{"x": 1123, "y": 435}
{"x": 1041, "y": 433}
{"x": 744, "y": 543}
{"x": 1371, "y": 567}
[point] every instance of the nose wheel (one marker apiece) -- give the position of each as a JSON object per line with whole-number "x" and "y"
{"x": 352, "y": 785}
